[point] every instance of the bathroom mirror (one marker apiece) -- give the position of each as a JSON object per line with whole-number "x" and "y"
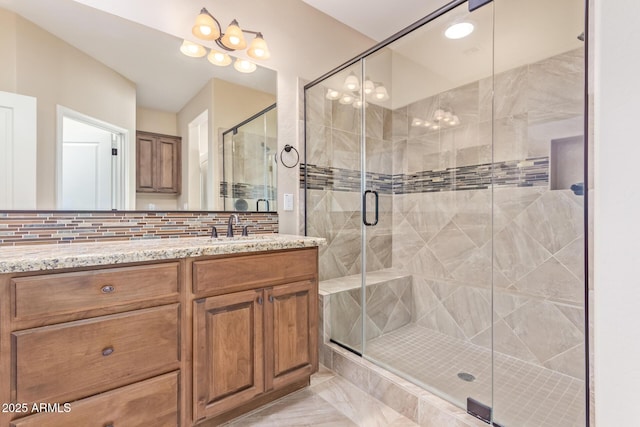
{"x": 76, "y": 63}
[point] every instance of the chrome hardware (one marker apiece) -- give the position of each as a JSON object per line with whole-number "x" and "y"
{"x": 260, "y": 300}
{"x": 230, "y": 224}
{"x": 107, "y": 351}
{"x": 271, "y": 298}
{"x": 107, "y": 289}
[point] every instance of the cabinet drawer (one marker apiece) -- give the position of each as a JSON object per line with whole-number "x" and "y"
{"x": 54, "y": 294}
{"x": 72, "y": 360}
{"x": 230, "y": 274}
{"x": 148, "y": 403}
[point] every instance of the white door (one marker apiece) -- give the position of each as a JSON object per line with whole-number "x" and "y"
{"x": 86, "y": 170}
{"x": 17, "y": 151}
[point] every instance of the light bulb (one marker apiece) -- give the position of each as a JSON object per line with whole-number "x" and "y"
{"x": 193, "y": 50}
{"x": 426, "y": 124}
{"x": 351, "y": 83}
{"x": 258, "y": 48}
{"x": 435, "y": 127}
{"x": 205, "y": 30}
{"x": 332, "y": 94}
{"x": 459, "y": 30}
{"x": 369, "y": 87}
{"x": 416, "y": 122}
{"x": 447, "y": 116}
{"x": 438, "y": 115}
{"x": 346, "y": 99}
{"x": 244, "y": 66}
{"x": 381, "y": 93}
{"x": 218, "y": 58}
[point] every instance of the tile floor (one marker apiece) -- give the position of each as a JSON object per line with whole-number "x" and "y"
{"x": 330, "y": 401}
{"x": 525, "y": 395}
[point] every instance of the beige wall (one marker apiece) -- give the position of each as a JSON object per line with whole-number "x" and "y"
{"x": 56, "y": 73}
{"x": 228, "y": 104}
{"x": 156, "y": 121}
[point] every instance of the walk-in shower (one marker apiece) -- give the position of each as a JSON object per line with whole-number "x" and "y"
{"x": 448, "y": 177}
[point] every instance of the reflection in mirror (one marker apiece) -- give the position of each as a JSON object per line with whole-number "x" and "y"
{"x": 63, "y": 54}
{"x": 249, "y": 153}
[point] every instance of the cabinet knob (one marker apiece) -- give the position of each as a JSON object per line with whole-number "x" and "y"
{"x": 270, "y": 298}
{"x": 107, "y": 289}
{"x": 107, "y": 351}
{"x": 108, "y": 425}
{"x": 260, "y": 300}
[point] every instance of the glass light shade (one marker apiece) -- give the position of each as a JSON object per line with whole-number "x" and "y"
{"x": 358, "y": 103}
{"x": 233, "y": 37}
{"x": 218, "y": 58}
{"x": 193, "y": 50}
{"x": 347, "y": 99}
{"x": 368, "y": 87}
{"x": 381, "y": 93}
{"x": 447, "y": 116}
{"x": 459, "y": 30}
{"x": 244, "y": 66}
{"x": 351, "y": 83}
{"x": 438, "y": 115}
{"x": 416, "y": 122}
{"x": 205, "y": 27}
{"x": 454, "y": 121}
{"x": 332, "y": 94}
{"x": 258, "y": 48}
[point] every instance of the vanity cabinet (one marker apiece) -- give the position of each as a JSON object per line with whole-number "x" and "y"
{"x": 158, "y": 163}
{"x": 251, "y": 344}
{"x": 193, "y": 341}
{"x": 96, "y": 339}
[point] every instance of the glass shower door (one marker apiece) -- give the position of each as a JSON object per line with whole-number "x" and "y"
{"x": 428, "y": 156}
{"x": 333, "y": 174}
{"x": 539, "y": 202}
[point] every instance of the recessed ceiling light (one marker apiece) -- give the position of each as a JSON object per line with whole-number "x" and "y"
{"x": 459, "y": 30}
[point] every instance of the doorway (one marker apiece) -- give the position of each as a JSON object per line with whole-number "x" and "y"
{"x": 91, "y": 158}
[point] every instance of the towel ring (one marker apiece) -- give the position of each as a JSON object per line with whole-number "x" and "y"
{"x": 288, "y": 149}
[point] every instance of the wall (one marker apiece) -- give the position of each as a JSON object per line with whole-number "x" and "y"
{"x": 64, "y": 84}
{"x": 617, "y": 209}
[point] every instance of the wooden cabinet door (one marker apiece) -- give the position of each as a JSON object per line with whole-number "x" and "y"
{"x": 144, "y": 163}
{"x": 167, "y": 165}
{"x": 291, "y": 334}
{"x": 228, "y": 352}
{"x": 158, "y": 163}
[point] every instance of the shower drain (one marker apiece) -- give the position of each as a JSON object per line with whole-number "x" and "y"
{"x": 465, "y": 376}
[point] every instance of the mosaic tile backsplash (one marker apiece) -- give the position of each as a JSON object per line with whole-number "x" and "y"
{"x": 27, "y": 228}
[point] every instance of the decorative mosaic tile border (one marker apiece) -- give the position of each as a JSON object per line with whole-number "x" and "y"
{"x": 514, "y": 173}
{"x": 247, "y": 191}
{"x": 26, "y": 228}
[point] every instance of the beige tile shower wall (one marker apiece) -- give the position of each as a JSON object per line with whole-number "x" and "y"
{"x": 29, "y": 228}
{"x": 537, "y": 273}
{"x": 527, "y": 243}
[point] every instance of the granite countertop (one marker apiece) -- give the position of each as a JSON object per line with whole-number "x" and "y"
{"x": 17, "y": 259}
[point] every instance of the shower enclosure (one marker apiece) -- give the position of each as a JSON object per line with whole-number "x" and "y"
{"x": 249, "y": 174}
{"x": 448, "y": 177}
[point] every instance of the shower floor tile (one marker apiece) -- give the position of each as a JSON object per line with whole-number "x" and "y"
{"x": 525, "y": 395}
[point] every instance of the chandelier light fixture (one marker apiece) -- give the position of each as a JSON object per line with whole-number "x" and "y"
{"x": 441, "y": 118}
{"x": 351, "y": 91}
{"x": 208, "y": 28}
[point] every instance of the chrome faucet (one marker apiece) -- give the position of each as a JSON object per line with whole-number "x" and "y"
{"x": 230, "y": 224}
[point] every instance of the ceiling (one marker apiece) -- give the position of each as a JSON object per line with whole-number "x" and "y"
{"x": 166, "y": 79}
{"x": 377, "y": 19}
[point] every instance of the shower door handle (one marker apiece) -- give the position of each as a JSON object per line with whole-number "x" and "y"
{"x": 364, "y": 208}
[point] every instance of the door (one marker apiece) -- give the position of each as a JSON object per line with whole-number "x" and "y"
{"x": 86, "y": 166}
{"x": 290, "y": 337}
{"x": 427, "y": 213}
{"x": 228, "y": 351}
{"x": 17, "y": 151}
